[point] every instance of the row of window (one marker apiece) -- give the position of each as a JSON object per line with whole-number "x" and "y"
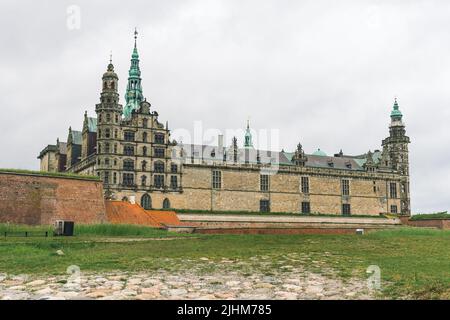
{"x": 128, "y": 165}
{"x": 304, "y": 184}
{"x": 305, "y": 208}
{"x": 128, "y": 180}
{"x": 129, "y": 136}
{"x": 129, "y": 150}
{"x": 146, "y": 202}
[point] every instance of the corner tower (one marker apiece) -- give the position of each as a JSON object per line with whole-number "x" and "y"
{"x": 395, "y": 155}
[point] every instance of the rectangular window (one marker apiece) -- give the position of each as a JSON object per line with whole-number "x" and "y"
{"x": 128, "y": 150}
{"x": 305, "y": 184}
{"x": 128, "y": 179}
{"x": 159, "y": 181}
{"x": 159, "y": 167}
{"x": 159, "y": 153}
{"x": 346, "y": 209}
{"x": 264, "y": 206}
{"x": 217, "y": 179}
{"x": 345, "y": 184}
{"x": 306, "y": 208}
{"x": 173, "y": 182}
{"x": 264, "y": 182}
{"x": 106, "y": 177}
{"x": 393, "y": 190}
{"x": 115, "y": 178}
{"x": 394, "y": 209}
{"x": 159, "y": 138}
{"x": 174, "y": 168}
{"x": 129, "y": 136}
{"x": 128, "y": 165}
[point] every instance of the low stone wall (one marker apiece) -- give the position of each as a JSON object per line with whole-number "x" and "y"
{"x": 34, "y": 199}
{"x": 211, "y": 223}
{"x": 304, "y": 230}
{"x": 443, "y": 224}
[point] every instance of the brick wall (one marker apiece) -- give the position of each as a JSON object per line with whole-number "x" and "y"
{"x": 33, "y": 200}
{"x": 432, "y": 223}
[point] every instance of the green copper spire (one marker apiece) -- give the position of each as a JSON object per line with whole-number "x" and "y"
{"x": 396, "y": 113}
{"x": 248, "y": 141}
{"x": 134, "y": 95}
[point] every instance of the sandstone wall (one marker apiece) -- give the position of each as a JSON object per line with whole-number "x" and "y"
{"x": 34, "y": 199}
{"x": 241, "y": 191}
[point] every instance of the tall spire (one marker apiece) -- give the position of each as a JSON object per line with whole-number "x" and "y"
{"x": 133, "y": 95}
{"x": 248, "y": 141}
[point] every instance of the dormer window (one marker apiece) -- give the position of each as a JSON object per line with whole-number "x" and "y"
{"x": 330, "y": 163}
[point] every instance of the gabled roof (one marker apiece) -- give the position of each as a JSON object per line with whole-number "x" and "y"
{"x": 77, "y": 137}
{"x": 92, "y": 124}
{"x": 62, "y": 147}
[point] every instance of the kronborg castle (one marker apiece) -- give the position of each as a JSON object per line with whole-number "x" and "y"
{"x": 131, "y": 151}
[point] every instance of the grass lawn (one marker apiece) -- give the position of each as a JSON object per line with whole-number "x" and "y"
{"x": 415, "y": 263}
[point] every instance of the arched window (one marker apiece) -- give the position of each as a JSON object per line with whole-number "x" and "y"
{"x": 166, "y": 204}
{"x": 107, "y": 133}
{"x": 145, "y": 122}
{"x": 125, "y": 199}
{"x": 146, "y": 202}
{"x": 144, "y": 137}
{"x": 144, "y": 165}
{"x": 144, "y": 180}
{"x": 144, "y": 151}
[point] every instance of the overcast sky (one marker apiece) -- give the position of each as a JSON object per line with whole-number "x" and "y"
{"x": 323, "y": 73}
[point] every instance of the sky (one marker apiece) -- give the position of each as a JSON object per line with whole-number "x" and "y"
{"x": 323, "y": 73}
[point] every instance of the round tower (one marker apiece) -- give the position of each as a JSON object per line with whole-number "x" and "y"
{"x": 109, "y": 113}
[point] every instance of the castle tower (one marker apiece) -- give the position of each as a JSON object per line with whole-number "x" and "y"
{"x": 395, "y": 155}
{"x": 133, "y": 95}
{"x": 109, "y": 113}
{"x": 395, "y": 147}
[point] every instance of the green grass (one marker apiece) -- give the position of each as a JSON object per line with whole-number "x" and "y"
{"x": 415, "y": 263}
{"x": 99, "y": 230}
{"x": 50, "y": 174}
{"x": 439, "y": 215}
{"x": 273, "y": 213}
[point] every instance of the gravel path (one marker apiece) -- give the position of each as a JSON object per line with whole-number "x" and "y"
{"x": 204, "y": 279}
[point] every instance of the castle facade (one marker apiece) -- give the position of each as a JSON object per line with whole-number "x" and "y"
{"x": 132, "y": 152}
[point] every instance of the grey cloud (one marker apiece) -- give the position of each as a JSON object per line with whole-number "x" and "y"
{"x": 323, "y": 73}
